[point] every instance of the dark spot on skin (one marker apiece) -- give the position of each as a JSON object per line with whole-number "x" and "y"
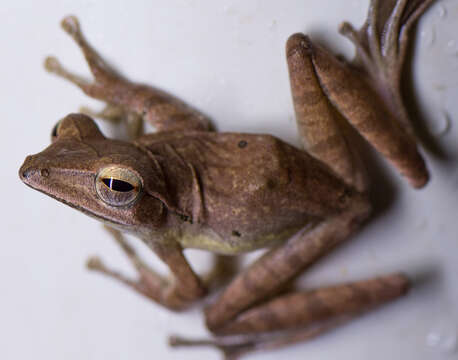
{"x": 341, "y": 58}
{"x": 44, "y": 172}
{"x": 242, "y": 144}
{"x": 271, "y": 184}
{"x": 185, "y": 218}
{"x": 236, "y": 233}
{"x": 343, "y": 198}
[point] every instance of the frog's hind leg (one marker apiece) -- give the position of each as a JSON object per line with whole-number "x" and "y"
{"x": 366, "y": 92}
{"x": 300, "y": 316}
{"x": 381, "y": 47}
{"x": 324, "y": 132}
{"x": 250, "y": 305}
{"x": 361, "y": 105}
{"x": 242, "y": 308}
{"x": 280, "y": 265}
{"x": 162, "y": 110}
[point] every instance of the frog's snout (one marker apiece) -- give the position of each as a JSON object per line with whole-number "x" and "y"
{"x": 26, "y": 170}
{"x": 30, "y": 172}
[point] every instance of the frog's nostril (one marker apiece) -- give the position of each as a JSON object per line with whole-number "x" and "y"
{"x": 28, "y": 169}
{"x": 25, "y": 172}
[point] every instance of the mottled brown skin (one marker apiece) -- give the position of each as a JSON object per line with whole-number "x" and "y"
{"x": 186, "y": 186}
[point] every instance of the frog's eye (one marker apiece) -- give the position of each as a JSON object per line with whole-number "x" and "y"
{"x": 118, "y": 186}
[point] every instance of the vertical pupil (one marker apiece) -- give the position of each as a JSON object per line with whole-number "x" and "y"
{"x": 117, "y": 185}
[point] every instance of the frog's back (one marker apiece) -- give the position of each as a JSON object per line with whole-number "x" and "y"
{"x": 254, "y": 188}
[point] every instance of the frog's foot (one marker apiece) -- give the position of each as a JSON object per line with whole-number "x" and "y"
{"x": 101, "y": 70}
{"x": 149, "y": 283}
{"x": 94, "y": 90}
{"x": 236, "y": 346}
{"x": 111, "y": 113}
{"x": 105, "y": 76}
{"x": 381, "y": 47}
{"x": 299, "y": 316}
{"x": 176, "y": 294}
{"x": 53, "y": 65}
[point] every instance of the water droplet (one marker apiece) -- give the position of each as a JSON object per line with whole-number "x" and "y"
{"x": 441, "y": 11}
{"x": 442, "y": 126}
{"x": 428, "y": 36}
{"x": 443, "y": 338}
{"x": 228, "y": 8}
{"x": 273, "y": 25}
{"x": 452, "y": 48}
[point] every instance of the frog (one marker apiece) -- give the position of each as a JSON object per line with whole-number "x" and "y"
{"x": 188, "y": 186}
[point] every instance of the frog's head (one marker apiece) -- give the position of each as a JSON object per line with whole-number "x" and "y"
{"x": 114, "y": 181}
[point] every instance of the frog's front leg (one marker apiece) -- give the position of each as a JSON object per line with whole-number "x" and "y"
{"x": 162, "y": 110}
{"x": 117, "y": 114}
{"x": 185, "y": 288}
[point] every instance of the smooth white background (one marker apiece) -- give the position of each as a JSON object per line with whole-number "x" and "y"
{"x": 226, "y": 58}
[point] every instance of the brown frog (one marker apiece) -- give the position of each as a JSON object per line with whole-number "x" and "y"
{"x": 186, "y": 186}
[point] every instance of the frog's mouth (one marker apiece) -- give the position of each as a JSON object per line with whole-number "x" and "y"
{"x": 77, "y": 207}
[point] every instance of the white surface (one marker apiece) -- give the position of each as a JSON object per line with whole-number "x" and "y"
{"x": 226, "y": 58}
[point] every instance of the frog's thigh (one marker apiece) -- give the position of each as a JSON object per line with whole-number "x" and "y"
{"x": 325, "y": 134}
